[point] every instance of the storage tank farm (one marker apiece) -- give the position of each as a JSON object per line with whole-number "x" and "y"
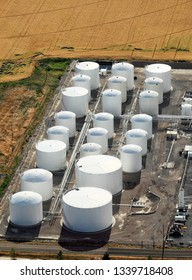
{"x": 66, "y": 119}
{"x": 162, "y": 71}
{"x": 87, "y": 209}
{"x": 25, "y": 208}
{"x": 97, "y": 168}
{"x": 38, "y": 180}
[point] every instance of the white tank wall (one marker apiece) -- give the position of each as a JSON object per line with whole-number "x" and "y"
{"x": 111, "y": 101}
{"x": 119, "y": 83}
{"x": 149, "y": 103}
{"x": 59, "y": 132}
{"x": 131, "y": 158}
{"x": 75, "y": 99}
{"x": 91, "y": 69}
{"x": 66, "y": 119}
{"x": 155, "y": 84}
{"x": 104, "y": 120}
{"x": 142, "y": 121}
{"x": 137, "y": 137}
{"x": 186, "y": 109}
{"x": 162, "y": 71}
{"x": 89, "y": 149}
{"x": 38, "y": 180}
{"x": 87, "y": 209}
{"x": 51, "y": 155}
{"x": 26, "y": 208}
{"x": 98, "y": 135}
{"x": 84, "y": 81}
{"x": 102, "y": 171}
{"x": 126, "y": 70}
{"x": 181, "y": 198}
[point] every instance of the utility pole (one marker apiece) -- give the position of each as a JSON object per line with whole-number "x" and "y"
{"x": 163, "y": 245}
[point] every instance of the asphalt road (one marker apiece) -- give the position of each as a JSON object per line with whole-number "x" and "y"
{"x": 118, "y": 252}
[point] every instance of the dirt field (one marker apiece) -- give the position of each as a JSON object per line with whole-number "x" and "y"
{"x": 97, "y": 28}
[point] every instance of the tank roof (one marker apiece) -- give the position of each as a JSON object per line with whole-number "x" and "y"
{"x": 25, "y": 198}
{"x": 36, "y": 175}
{"x": 158, "y": 68}
{"x": 99, "y": 164}
{"x": 57, "y": 129}
{"x": 149, "y": 94}
{"x": 87, "y": 197}
{"x": 51, "y": 146}
{"x": 141, "y": 117}
{"x": 97, "y": 131}
{"x": 131, "y": 149}
{"x": 122, "y": 66}
{"x": 103, "y": 116}
{"x": 75, "y": 91}
{"x": 65, "y": 114}
{"x": 87, "y": 65}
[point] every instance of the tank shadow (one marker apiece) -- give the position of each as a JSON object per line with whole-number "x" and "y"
{"x": 21, "y": 234}
{"x": 166, "y": 101}
{"x": 116, "y": 202}
{"x": 77, "y": 241}
{"x": 131, "y": 180}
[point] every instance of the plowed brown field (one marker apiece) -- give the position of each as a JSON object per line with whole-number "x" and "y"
{"x": 97, "y": 28}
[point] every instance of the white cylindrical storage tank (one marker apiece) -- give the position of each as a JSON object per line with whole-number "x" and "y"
{"x": 142, "y": 121}
{"x": 98, "y": 135}
{"x": 137, "y": 137}
{"x": 38, "y": 180}
{"x": 126, "y": 70}
{"x": 162, "y": 71}
{"x": 51, "y": 155}
{"x": 84, "y": 81}
{"x": 89, "y": 149}
{"x": 59, "y": 132}
{"x": 91, "y": 69}
{"x": 131, "y": 158}
{"x": 26, "y": 208}
{"x": 101, "y": 171}
{"x": 155, "y": 84}
{"x": 87, "y": 209}
{"x": 186, "y": 109}
{"x": 119, "y": 83}
{"x": 66, "y": 119}
{"x": 105, "y": 120}
{"x": 111, "y": 102}
{"x": 75, "y": 99}
{"x": 149, "y": 102}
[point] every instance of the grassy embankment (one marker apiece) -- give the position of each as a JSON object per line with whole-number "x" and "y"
{"x": 27, "y": 110}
